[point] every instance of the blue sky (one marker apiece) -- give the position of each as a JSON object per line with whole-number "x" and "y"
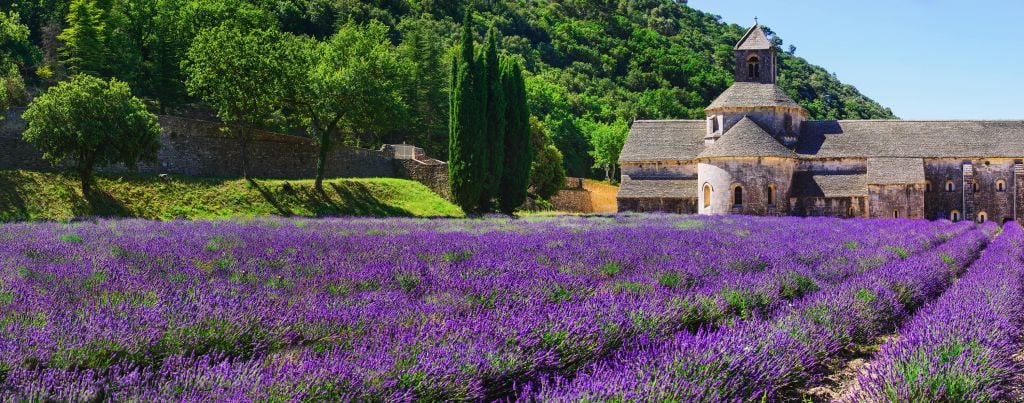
{"x": 925, "y": 59}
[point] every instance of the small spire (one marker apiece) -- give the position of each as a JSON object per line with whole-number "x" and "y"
{"x": 755, "y": 21}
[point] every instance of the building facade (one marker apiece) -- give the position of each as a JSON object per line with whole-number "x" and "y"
{"x": 758, "y": 153}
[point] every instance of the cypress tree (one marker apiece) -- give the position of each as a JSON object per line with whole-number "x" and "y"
{"x": 518, "y": 157}
{"x": 466, "y": 124}
{"x": 494, "y": 135}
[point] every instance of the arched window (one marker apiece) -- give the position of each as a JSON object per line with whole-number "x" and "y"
{"x": 851, "y": 212}
{"x": 787, "y": 123}
{"x": 954, "y": 216}
{"x": 771, "y": 194}
{"x": 928, "y": 186}
{"x": 753, "y": 67}
{"x": 950, "y": 187}
{"x": 1000, "y": 185}
{"x": 982, "y": 217}
{"x": 896, "y": 214}
{"x": 974, "y": 186}
{"x": 737, "y": 196}
{"x": 707, "y": 195}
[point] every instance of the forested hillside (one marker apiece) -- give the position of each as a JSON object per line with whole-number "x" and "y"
{"x": 592, "y": 65}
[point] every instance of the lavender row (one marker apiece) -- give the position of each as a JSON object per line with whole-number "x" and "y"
{"x": 388, "y": 308}
{"x": 766, "y": 359}
{"x": 961, "y": 347}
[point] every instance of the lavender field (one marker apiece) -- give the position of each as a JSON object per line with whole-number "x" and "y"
{"x": 653, "y": 307}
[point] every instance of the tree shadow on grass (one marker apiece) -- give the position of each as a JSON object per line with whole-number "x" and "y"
{"x": 102, "y": 204}
{"x": 12, "y": 204}
{"x": 271, "y": 198}
{"x": 358, "y": 200}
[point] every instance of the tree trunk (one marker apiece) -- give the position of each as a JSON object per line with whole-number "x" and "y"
{"x": 85, "y": 176}
{"x": 321, "y": 162}
{"x": 244, "y": 137}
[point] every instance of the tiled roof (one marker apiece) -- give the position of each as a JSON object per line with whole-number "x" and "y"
{"x": 664, "y": 140}
{"x": 744, "y": 94}
{"x": 746, "y": 139}
{"x": 644, "y": 188}
{"x": 891, "y": 171}
{"x": 809, "y": 184}
{"x": 912, "y": 139}
{"x": 754, "y": 39}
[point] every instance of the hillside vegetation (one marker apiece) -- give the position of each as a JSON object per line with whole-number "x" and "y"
{"x": 591, "y": 64}
{"x": 47, "y": 196}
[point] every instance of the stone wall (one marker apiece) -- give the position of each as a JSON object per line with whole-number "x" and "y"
{"x": 754, "y": 175}
{"x": 432, "y": 173}
{"x": 201, "y": 148}
{"x": 896, "y": 201}
{"x": 665, "y": 205}
{"x": 846, "y": 207}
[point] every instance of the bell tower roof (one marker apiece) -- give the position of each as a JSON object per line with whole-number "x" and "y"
{"x": 754, "y": 39}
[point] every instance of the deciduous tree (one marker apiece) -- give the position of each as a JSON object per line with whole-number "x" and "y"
{"x": 92, "y": 122}
{"x": 350, "y": 82}
{"x": 242, "y": 74}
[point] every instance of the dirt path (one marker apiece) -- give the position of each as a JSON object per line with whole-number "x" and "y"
{"x": 843, "y": 376}
{"x": 602, "y": 196}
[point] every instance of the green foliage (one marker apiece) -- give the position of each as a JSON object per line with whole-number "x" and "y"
{"x": 607, "y": 140}
{"x": 243, "y": 74}
{"x": 519, "y": 154}
{"x": 345, "y": 85}
{"x": 493, "y": 139}
{"x": 586, "y": 62}
{"x": 547, "y": 175}
{"x": 84, "y": 50}
{"x": 467, "y": 126}
{"x": 95, "y": 123}
{"x": 15, "y": 47}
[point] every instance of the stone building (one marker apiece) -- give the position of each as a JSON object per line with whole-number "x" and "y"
{"x": 758, "y": 153}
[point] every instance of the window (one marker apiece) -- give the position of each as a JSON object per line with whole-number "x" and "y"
{"x": 753, "y": 67}
{"x": 950, "y": 186}
{"x": 982, "y": 217}
{"x": 787, "y": 124}
{"x": 1000, "y": 185}
{"x": 954, "y": 216}
{"x": 895, "y": 214}
{"x": 851, "y": 213}
{"x": 737, "y": 196}
{"x": 928, "y": 186}
{"x": 974, "y": 186}
{"x": 771, "y": 194}
{"x": 714, "y": 124}
{"x": 707, "y": 195}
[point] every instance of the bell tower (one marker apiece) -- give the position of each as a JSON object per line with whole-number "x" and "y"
{"x": 755, "y": 57}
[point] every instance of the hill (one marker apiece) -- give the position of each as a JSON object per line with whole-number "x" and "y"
{"x": 590, "y": 62}
{"x": 26, "y": 195}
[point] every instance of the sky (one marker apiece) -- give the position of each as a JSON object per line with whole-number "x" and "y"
{"x": 924, "y": 59}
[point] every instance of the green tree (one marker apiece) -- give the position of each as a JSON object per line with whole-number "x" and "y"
{"x": 16, "y": 53}
{"x": 607, "y": 141}
{"x": 494, "y": 135}
{"x": 242, "y": 74}
{"x": 84, "y": 50}
{"x": 467, "y": 112}
{"x": 547, "y": 176}
{"x": 424, "y": 46}
{"x": 94, "y": 123}
{"x": 518, "y": 152}
{"x": 350, "y": 82}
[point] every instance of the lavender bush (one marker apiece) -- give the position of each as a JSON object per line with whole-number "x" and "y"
{"x": 405, "y": 309}
{"x": 961, "y": 347}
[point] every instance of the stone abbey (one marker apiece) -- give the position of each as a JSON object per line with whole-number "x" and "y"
{"x": 758, "y": 153}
